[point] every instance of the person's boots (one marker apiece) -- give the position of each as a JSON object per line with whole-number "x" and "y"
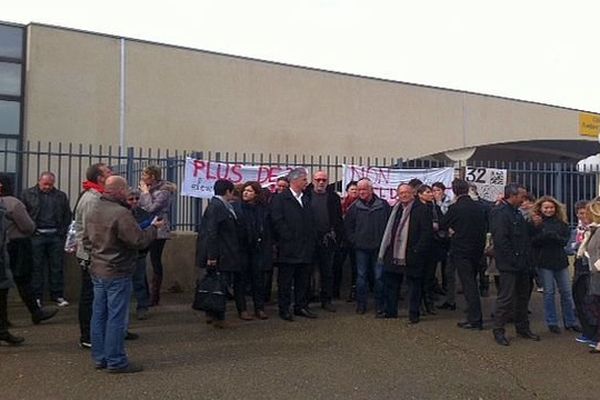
{"x": 155, "y": 290}
{"x": 5, "y": 335}
{"x": 38, "y": 314}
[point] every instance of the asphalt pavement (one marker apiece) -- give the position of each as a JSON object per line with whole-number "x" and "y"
{"x": 340, "y": 355}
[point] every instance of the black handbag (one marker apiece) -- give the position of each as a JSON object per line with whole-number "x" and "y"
{"x": 210, "y": 295}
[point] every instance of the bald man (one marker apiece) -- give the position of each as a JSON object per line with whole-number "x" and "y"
{"x": 114, "y": 237}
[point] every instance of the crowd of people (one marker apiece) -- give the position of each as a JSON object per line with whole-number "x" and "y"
{"x": 425, "y": 239}
{"x": 307, "y": 233}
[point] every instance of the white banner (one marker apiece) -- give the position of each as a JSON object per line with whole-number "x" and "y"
{"x": 200, "y": 176}
{"x": 386, "y": 180}
{"x": 490, "y": 182}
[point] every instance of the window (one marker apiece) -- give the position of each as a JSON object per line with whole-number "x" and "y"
{"x": 9, "y": 117}
{"x": 10, "y": 79}
{"x": 11, "y": 42}
{"x": 8, "y": 155}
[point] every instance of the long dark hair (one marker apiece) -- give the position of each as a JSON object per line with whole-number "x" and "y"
{"x": 260, "y": 197}
{"x": 7, "y": 189}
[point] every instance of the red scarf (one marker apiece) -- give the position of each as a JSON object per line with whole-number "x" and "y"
{"x": 87, "y": 185}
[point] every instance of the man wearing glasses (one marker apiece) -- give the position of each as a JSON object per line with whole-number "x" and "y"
{"x": 327, "y": 210}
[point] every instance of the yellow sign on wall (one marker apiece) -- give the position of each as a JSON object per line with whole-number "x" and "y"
{"x": 589, "y": 124}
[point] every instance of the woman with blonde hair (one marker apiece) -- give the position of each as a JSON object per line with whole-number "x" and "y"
{"x": 550, "y": 235}
{"x": 590, "y": 248}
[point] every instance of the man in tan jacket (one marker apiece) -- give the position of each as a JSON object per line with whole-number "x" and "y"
{"x": 114, "y": 237}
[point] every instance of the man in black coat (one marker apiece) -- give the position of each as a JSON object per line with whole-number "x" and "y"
{"x": 406, "y": 241}
{"x": 327, "y": 211}
{"x": 512, "y": 247}
{"x": 219, "y": 241}
{"x": 294, "y": 225}
{"x": 466, "y": 220}
{"x": 50, "y": 210}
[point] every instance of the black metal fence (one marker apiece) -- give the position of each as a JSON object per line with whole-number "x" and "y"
{"x": 69, "y": 163}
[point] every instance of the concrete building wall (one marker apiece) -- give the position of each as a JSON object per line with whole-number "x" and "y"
{"x": 184, "y": 99}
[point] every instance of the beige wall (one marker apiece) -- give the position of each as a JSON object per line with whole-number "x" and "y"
{"x": 182, "y": 99}
{"x": 72, "y": 87}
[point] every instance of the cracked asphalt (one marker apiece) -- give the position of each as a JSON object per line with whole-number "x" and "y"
{"x": 338, "y": 356}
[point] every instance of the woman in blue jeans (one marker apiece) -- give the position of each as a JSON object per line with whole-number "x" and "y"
{"x": 550, "y": 234}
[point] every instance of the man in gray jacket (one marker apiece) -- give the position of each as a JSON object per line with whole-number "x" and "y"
{"x": 114, "y": 237}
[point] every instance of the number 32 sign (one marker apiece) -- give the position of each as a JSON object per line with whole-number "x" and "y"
{"x": 490, "y": 182}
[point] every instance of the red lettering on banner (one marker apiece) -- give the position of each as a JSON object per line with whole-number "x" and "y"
{"x": 208, "y": 175}
{"x": 198, "y": 166}
{"x": 357, "y": 172}
{"x": 221, "y": 175}
{"x": 237, "y": 175}
{"x": 263, "y": 174}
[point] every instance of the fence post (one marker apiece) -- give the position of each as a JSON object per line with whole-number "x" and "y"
{"x": 558, "y": 184}
{"x": 196, "y": 202}
{"x": 172, "y": 177}
{"x": 129, "y": 166}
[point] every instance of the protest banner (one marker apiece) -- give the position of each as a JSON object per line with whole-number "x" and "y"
{"x": 386, "y": 180}
{"x": 200, "y": 176}
{"x": 490, "y": 182}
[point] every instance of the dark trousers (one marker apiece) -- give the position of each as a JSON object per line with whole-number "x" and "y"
{"x": 296, "y": 276}
{"x": 254, "y": 277}
{"x": 236, "y": 279}
{"x": 156, "y": 249}
{"x": 580, "y": 296}
{"x": 324, "y": 263}
{"x": 468, "y": 268}
{"x": 20, "y": 262}
{"x": 429, "y": 282}
{"x": 86, "y": 301}
{"x": 3, "y": 311}
{"x": 339, "y": 260}
{"x": 47, "y": 251}
{"x": 513, "y": 300}
{"x": 268, "y": 290}
{"x": 140, "y": 284}
{"x": 392, "y": 281}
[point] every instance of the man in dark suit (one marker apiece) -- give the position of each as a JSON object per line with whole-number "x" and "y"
{"x": 219, "y": 245}
{"x": 466, "y": 220}
{"x": 404, "y": 248}
{"x": 511, "y": 246}
{"x": 294, "y": 226}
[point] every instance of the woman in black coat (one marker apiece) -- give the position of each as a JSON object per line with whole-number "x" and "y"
{"x": 425, "y": 197}
{"x": 258, "y": 249}
{"x": 550, "y": 234}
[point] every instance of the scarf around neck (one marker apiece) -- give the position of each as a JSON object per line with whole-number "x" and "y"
{"x": 401, "y": 237}
{"x": 87, "y": 185}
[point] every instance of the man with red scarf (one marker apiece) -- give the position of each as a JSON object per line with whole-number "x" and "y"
{"x": 93, "y": 188}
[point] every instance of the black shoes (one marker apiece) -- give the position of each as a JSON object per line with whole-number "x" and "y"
{"x": 306, "y": 313}
{"x": 554, "y": 329}
{"x": 11, "y": 339}
{"x": 43, "y": 314}
{"x": 500, "y": 338}
{"x": 527, "y": 334}
{"x": 470, "y": 326}
{"x": 286, "y": 316}
{"x": 574, "y": 328}
{"x": 447, "y": 306}
{"x": 131, "y": 336}
{"x": 413, "y": 321}
{"x": 85, "y": 344}
{"x": 129, "y": 369}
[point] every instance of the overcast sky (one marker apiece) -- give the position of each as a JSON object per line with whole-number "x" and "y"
{"x": 543, "y": 51}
